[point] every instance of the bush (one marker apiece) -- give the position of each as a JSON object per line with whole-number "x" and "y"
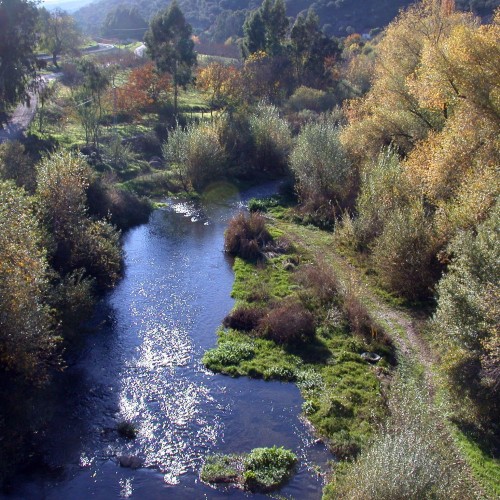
{"x": 319, "y": 280}
{"x": 289, "y": 323}
{"x": 404, "y": 255}
{"x": 322, "y": 170}
{"x": 312, "y": 99}
{"x": 196, "y": 154}
{"x": 244, "y": 318}
{"x": 246, "y": 236}
{"x": 467, "y": 316}
{"x": 384, "y": 188}
{"x": 272, "y": 139}
{"x": 268, "y": 468}
{"x": 410, "y": 458}
{"x": 123, "y": 208}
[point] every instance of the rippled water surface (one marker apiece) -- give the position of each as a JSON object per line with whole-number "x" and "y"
{"x": 143, "y": 364}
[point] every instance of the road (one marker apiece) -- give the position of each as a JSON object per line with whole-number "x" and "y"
{"x": 23, "y": 115}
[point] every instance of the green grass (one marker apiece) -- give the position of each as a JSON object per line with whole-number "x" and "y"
{"x": 485, "y": 468}
{"x": 263, "y": 469}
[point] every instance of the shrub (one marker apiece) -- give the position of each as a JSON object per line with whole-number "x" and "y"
{"x": 467, "y": 316}
{"x": 123, "y": 208}
{"x": 409, "y": 459}
{"x": 244, "y": 318}
{"x": 319, "y": 280}
{"x": 312, "y": 99}
{"x": 196, "y": 154}
{"x": 246, "y": 236}
{"x": 288, "y": 323}
{"x": 272, "y": 138}
{"x": 322, "y": 170}
{"x": 404, "y": 255}
{"x": 268, "y": 468}
{"x": 15, "y": 164}
{"x": 384, "y": 188}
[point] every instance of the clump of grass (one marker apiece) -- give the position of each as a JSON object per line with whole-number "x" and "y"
{"x": 266, "y": 469}
{"x": 246, "y": 236}
{"x": 263, "y": 469}
{"x": 221, "y": 469}
{"x": 127, "y": 429}
{"x": 227, "y": 354}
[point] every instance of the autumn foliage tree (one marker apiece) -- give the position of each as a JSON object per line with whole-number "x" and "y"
{"x": 27, "y": 333}
{"x": 145, "y": 87}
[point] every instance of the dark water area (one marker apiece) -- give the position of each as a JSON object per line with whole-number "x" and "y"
{"x": 143, "y": 364}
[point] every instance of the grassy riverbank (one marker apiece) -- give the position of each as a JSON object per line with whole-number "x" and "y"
{"x": 343, "y": 393}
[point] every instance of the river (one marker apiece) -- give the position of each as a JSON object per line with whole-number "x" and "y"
{"x": 142, "y": 363}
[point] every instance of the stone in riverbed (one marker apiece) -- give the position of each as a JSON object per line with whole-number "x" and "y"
{"x": 130, "y": 461}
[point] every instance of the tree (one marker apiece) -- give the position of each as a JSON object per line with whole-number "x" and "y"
{"x": 59, "y": 33}
{"x": 265, "y": 29}
{"x": 17, "y": 42}
{"x": 169, "y": 44}
{"x": 311, "y": 49}
{"x": 27, "y": 338}
{"x": 89, "y": 99}
{"x": 145, "y": 87}
{"x": 125, "y": 22}
{"x": 220, "y": 82}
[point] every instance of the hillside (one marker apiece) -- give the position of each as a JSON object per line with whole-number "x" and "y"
{"x": 219, "y": 19}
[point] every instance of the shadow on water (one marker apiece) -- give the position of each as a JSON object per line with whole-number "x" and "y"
{"x": 143, "y": 365}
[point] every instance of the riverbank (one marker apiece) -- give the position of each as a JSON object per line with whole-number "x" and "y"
{"x": 358, "y": 408}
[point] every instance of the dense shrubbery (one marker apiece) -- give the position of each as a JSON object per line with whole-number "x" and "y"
{"x": 76, "y": 240}
{"x": 27, "y": 329}
{"x": 288, "y": 323}
{"x": 322, "y": 170}
{"x": 246, "y": 235}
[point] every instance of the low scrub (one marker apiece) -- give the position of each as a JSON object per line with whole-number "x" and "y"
{"x": 246, "y": 236}
{"x": 288, "y": 323}
{"x": 244, "y": 318}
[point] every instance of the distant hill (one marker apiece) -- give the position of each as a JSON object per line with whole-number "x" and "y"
{"x": 219, "y": 19}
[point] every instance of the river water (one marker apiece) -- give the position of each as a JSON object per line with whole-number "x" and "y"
{"x": 143, "y": 363}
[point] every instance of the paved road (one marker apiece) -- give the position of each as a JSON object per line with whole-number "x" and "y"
{"x": 23, "y": 115}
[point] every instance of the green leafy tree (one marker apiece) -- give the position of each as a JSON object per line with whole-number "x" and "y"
{"x": 311, "y": 49}
{"x": 169, "y": 44}
{"x": 59, "y": 33}
{"x": 17, "y": 42}
{"x": 265, "y": 29}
